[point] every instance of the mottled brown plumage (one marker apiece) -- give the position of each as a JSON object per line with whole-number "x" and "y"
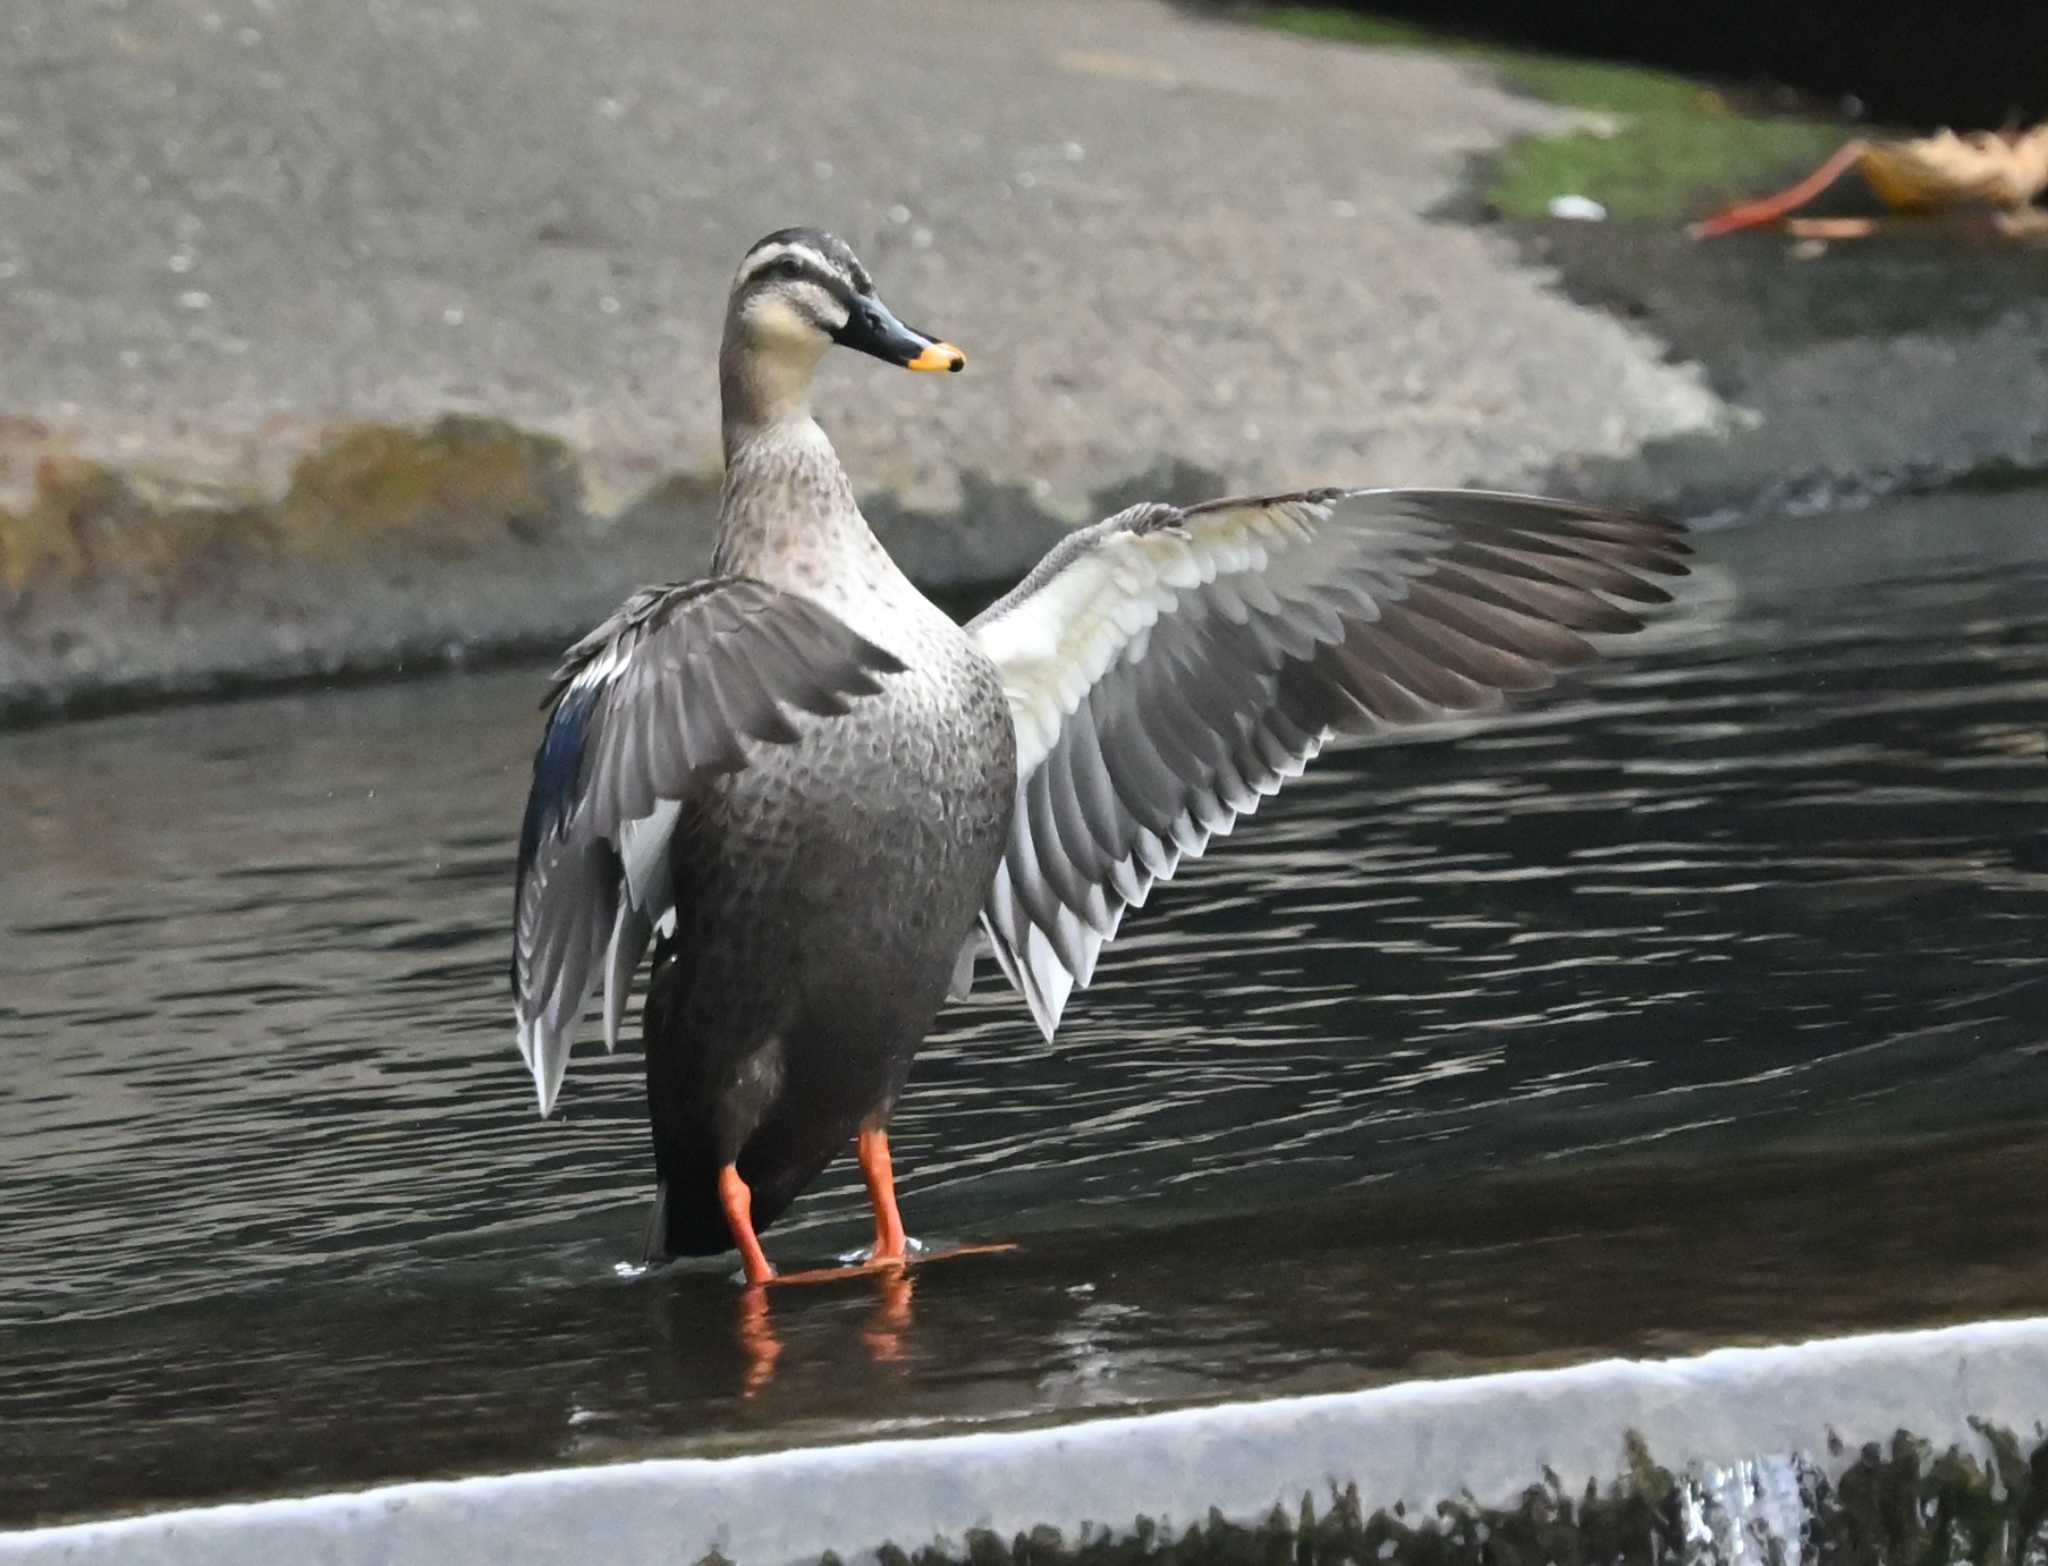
{"x": 812, "y": 782}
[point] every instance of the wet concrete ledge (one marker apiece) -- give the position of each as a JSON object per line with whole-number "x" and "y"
{"x": 1882, "y": 1447}
{"x": 384, "y": 549}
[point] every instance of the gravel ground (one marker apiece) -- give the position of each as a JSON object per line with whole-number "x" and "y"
{"x": 1157, "y": 238}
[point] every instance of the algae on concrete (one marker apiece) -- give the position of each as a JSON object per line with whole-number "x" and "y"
{"x": 385, "y": 546}
{"x": 457, "y": 487}
{"x": 1909, "y": 1503}
{"x": 82, "y": 518}
{"x": 369, "y": 491}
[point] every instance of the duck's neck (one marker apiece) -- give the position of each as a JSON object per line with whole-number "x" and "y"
{"x": 788, "y": 517}
{"x": 784, "y": 493}
{"x": 761, "y": 390}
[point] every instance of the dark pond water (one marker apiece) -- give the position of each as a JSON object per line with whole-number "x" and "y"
{"x": 1704, "y": 1001}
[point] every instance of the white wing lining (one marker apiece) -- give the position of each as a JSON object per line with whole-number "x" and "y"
{"x": 1169, "y": 669}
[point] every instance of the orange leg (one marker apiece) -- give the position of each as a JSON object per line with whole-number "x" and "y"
{"x": 881, "y": 1180}
{"x": 738, "y": 1203}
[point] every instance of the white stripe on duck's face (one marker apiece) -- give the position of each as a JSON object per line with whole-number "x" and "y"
{"x": 792, "y": 313}
{"x": 808, "y": 257}
{"x": 813, "y": 284}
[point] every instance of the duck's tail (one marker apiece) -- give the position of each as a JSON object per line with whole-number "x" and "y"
{"x": 687, "y": 1219}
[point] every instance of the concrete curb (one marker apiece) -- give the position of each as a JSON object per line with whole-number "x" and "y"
{"x": 1486, "y": 1437}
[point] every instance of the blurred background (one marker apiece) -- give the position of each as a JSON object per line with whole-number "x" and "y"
{"x": 357, "y": 357}
{"x": 1973, "y": 67}
{"x": 340, "y": 338}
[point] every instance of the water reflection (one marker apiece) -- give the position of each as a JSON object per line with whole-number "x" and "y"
{"x": 1705, "y": 1000}
{"x": 881, "y": 1334}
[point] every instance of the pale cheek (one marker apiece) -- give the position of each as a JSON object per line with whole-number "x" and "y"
{"x": 774, "y": 323}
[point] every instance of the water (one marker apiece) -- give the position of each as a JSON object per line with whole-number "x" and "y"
{"x": 1705, "y": 1001}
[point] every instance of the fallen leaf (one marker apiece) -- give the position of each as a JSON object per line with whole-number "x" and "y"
{"x": 1831, "y": 228}
{"x": 2026, "y": 223}
{"x": 2004, "y": 169}
{"x": 1985, "y": 168}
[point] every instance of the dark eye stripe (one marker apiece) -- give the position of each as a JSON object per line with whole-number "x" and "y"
{"x": 796, "y": 263}
{"x": 792, "y": 268}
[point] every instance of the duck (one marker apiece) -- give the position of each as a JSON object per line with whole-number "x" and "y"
{"x": 819, "y": 798}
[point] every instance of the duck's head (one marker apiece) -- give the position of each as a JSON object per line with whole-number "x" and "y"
{"x": 797, "y": 292}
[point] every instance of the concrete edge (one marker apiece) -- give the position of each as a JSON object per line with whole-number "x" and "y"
{"x": 1485, "y": 1437}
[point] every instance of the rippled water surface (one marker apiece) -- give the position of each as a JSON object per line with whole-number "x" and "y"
{"x": 1706, "y": 999}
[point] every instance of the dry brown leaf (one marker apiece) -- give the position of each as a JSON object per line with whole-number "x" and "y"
{"x": 1987, "y": 168}
{"x": 2005, "y": 169}
{"x": 2028, "y": 224}
{"x": 1831, "y": 228}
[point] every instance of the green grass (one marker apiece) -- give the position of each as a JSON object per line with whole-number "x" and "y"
{"x": 1677, "y": 147}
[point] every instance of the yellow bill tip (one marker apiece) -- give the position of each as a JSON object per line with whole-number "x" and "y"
{"x": 939, "y": 356}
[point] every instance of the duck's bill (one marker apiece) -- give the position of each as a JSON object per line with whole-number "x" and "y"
{"x": 938, "y": 356}
{"x": 871, "y": 328}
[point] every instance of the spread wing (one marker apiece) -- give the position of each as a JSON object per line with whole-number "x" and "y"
{"x": 673, "y": 688}
{"x": 1168, "y": 668}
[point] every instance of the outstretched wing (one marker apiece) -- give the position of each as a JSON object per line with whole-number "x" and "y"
{"x": 671, "y": 689}
{"x": 1169, "y": 667}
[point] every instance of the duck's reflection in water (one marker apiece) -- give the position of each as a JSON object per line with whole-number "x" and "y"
{"x": 886, "y": 1325}
{"x": 882, "y": 1334}
{"x": 754, "y": 1332}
